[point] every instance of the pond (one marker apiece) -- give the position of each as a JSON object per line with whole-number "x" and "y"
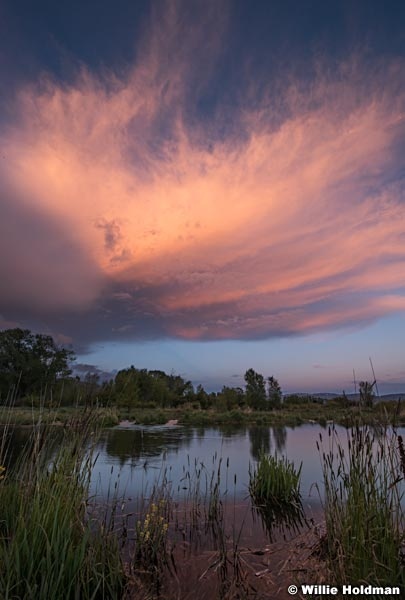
{"x": 197, "y": 481}
{"x": 131, "y": 458}
{"x": 138, "y": 456}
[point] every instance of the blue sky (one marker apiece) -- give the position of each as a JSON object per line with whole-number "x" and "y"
{"x": 207, "y": 186}
{"x": 318, "y": 362}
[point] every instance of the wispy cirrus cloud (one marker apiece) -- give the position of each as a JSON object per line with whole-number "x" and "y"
{"x": 123, "y": 206}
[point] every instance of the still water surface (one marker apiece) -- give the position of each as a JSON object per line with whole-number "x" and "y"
{"x": 132, "y": 458}
{"x": 135, "y": 457}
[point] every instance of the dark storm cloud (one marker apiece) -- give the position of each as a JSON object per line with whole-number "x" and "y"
{"x": 42, "y": 266}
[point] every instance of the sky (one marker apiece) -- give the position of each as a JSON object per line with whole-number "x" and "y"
{"x": 206, "y": 186}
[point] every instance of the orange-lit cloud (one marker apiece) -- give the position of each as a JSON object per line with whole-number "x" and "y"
{"x": 291, "y": 221}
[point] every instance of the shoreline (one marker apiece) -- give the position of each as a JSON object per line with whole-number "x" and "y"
{"x": 290, "y": 416}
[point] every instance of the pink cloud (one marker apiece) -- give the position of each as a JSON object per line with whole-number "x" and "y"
{"x": 265, "y": 231}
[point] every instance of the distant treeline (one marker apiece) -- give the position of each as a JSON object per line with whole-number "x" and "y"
{"x": 34, "y": 370}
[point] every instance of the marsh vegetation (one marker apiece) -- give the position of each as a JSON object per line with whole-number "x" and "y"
{"x": 61, "y": 538}
{"x": 170, "y": 522}
{"x": 39, "y": 379}
{"x": 364, "y": 506}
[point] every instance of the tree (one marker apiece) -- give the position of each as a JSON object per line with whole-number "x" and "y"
{"x": 274, "y": 393}
{"x": 126, "y": 386}
{"x": 201, "y": 397}
{"x": 91, "y": 387}
{"x": 255, "y": 390}
{"x": 231, "y": 397}
{"x": 142, "y": 388}
{"x": 31, "y": 363}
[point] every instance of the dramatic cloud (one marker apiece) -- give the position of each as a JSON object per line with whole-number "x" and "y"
{"x": 126, "y": 216}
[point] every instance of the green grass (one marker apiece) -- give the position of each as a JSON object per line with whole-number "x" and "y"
{"x": 31, "y": 416}
{"x": 274, "y": 486}
{"x": 49, "y": 545}
{"x": 363, "y": 507}
{"x": 291, "y": 413}
{"x": 275, "y": 481}
{"x": 53, "y": 544}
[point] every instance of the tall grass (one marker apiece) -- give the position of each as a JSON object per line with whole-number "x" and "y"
{"x": 49, "y": 545}
{"x": 364, "y": 507}
{"x": 56, "y": 542}
{"x": 152, "y": 557}
{"x": 275, "y": 482}
{"x": 174, "y": 523}
{"x": 274, "y": 486}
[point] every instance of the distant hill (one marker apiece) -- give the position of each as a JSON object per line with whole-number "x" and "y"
{"x": 331, "y": 396}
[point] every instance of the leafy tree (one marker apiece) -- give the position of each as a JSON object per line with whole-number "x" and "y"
{"x": 183, "y": 390}
{"x": 255, "y": 390}
{"x": 202, "y": 397}
{"x": 31, "y": 363}
{"x": 106, "y": 392}
{"x": 91, "y": 386}
{"x": 274, "y": 393}
{"x": 140, "y": 387}
{"x": 232, "y": 397}
{"x": 127, "y": 388}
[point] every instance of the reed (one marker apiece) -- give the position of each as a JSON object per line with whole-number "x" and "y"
{"x": 274, "y": 486}
{"x": 173, "y": 523}
{"x": 49, "y": 545}
{"x": 275, "y": 482}
{"x": 363, "y": 505}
